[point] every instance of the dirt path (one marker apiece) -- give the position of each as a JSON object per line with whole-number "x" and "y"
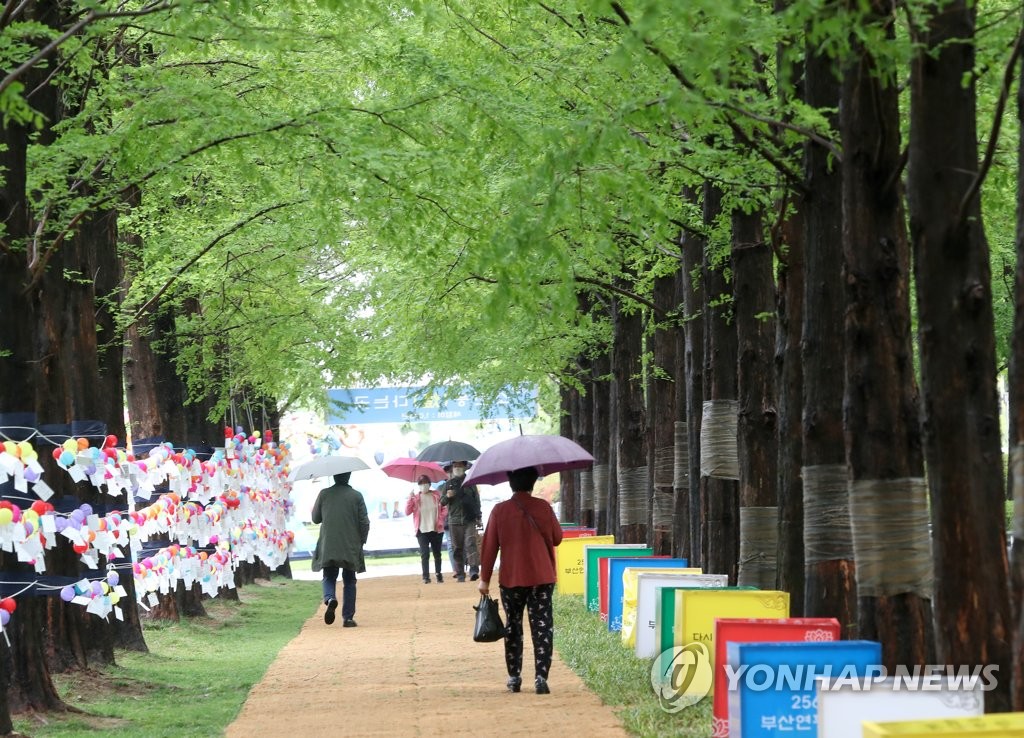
{"x": 411, "y": 668}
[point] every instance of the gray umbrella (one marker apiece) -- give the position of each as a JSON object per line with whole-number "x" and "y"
{"x": 448, "y": 451}
{"x": 326, "y": 466}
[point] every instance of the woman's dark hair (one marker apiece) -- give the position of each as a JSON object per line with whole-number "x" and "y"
{"x": 424, "y": 479}
{"x": 522, "y": 480}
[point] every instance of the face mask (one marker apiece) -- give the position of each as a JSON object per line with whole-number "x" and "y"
{"x": 458, "y": 471}
{"x": 424, "y": 487}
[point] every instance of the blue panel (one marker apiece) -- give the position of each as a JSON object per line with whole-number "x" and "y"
{"x": 615, "y": 589}
{"x": 775, "y": 694}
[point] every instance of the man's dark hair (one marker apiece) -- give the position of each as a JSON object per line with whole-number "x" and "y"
{"x": 342, "y": 478}
{"x": 522, "y": 480}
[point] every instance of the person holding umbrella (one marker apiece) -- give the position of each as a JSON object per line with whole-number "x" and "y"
{"x": 428, "y": 518}
{"x": 344, "y": 527}
{"x": 463, "y": 503}
{"x": 526, "y": 532}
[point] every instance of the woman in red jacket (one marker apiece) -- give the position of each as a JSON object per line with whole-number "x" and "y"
{"x": 526, "y": 532}
{"x": 428, "y": 516}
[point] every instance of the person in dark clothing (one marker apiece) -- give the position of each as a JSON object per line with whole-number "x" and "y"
{"x": 463, "y": 503}
{"x": 526, "y": 532}
{"x": 344, "y": 527}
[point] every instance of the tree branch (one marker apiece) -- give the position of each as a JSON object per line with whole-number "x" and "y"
{"x": 673, "y": 69}
{"x": 91, "y": 17}
{"x": 993, "y": 139}
{"x": 206, "y": 249}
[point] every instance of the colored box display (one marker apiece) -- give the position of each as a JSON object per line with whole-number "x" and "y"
{"x": 630, "y": 580}
{"x": 753, "y": 630}
{"x": 841, "y": 711}
{"x": 697, "y": 610}
{"x": 569, "y": 562}
{"x": 603, "y": 569}
{"x": 645, "y": 641}
{"x": 1005, "y": 725}
{"x": 591, "y": 570}
{"x": 667, "y": 603}
{"x": 578, "y": 533}
{"x": 774, "y": 686}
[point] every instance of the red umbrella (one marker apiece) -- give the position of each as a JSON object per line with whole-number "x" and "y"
{"x": 549, "y": 454}
{"x": 411, "y": 469}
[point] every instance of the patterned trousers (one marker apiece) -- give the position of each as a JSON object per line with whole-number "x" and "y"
{"x": 537, "y": 601}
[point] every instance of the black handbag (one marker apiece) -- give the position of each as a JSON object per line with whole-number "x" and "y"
{"x": 489, "y": 627}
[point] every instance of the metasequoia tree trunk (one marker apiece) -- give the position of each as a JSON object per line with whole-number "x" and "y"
{"x": 790, "y": 375}
{"x": 830, "y": 584}
{"x": 567, "y": 480}
{"x": 958, "y": 356}
{"x": 681, "y": 444}
{"x": 631, "y": 425}
{"x": 691, "y": 511}
{"x": 1016, "y": 387}
{"x": 602, "y": 394}
{"x": 663, "y": 413}
{"x": 720, "y": 392}
{"x": 584, "y": 429}
{"x": 757, "y": 419}
{"x": 883, "y": 442}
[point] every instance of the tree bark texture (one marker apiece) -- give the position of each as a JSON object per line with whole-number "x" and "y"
{"x": 585, "y": 437}
{"x": 880, "y": 404}
{"x": 691, "y": 499}
{"x": 602, "y": 394}
{"x": 631, "y": 425}
{"x": 567, "y": 480}
{"x": 790, "y": 375}
{"x": 830, "y": 586}
{"x": 722, "y": 532}
{"x": 757, "y": 420}
{"x": 956, "y": 330}
{"x": 1016, "y": 388}
{"x": 663, "y": 415}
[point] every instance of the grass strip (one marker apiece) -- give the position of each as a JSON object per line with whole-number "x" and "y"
{"x": 196, "y": 675}
{"x": 618, "y": 677}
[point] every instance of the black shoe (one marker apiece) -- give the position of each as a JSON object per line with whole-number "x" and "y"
{"x": 514, "y": 683}
{"x": 350, "y": 623}
{"x": 440, "y": 579}
{"x": 332, "y": 605}
{"x": 541, "y": 685}
{"x": 426, "y": 580}
{"x": 473, "y": 577}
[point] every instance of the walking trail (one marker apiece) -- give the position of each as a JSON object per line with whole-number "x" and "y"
{"x": 411, "y": 668}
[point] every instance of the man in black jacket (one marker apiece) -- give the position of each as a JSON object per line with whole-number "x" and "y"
{"x": 464, "y": 516}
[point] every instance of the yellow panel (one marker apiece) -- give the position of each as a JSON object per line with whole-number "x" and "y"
{"x": 697, "y": 609}
{"x": 1004, "y": 725}
{"x": 569, "y": 561}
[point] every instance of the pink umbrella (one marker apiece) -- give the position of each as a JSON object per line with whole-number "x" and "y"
{"x": 549, "y": 454}
{"x": 411, "y": 469}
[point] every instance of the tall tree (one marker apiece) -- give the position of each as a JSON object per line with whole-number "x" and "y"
{"x": 630, "y": 425}
{"x": 883, "y": 443}
{"x": 830, "y": 582}
{"x": 757, "y": 409}
{"x": 663, "y": 413}
{"x": 962, "y": 443}
{"x": 690, "y": 509}
{"x": 719, "y": 466}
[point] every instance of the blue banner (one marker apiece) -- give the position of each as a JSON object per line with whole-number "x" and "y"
{"x": 413, "y": 404}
